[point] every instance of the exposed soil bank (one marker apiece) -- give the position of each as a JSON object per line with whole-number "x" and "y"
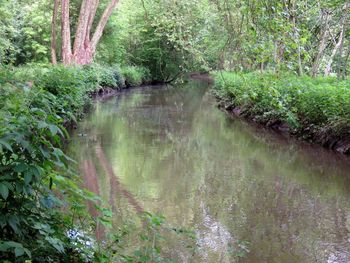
{"x": 202, "y": 77}
{"x": 104, "y": 93}
{"x": 334, "y": 142}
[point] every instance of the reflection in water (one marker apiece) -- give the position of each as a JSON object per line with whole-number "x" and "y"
{"x": 232, "y": 182}
{"x": 88, "y": 170}
{"x": 115, "y": 184}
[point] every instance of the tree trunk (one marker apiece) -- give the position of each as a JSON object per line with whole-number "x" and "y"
{"x": 81, "y": 47}
{"x": 340, "y": 42}
{"x": 101, "y": 25}
{"x": 322, "y": 45}
{"x": 297, "y": 36}
{"x": 345, "y": 62}
{"x": 84, "y": 49}
{"x": 53, "y": 32}
{"x": 66, "y": 42}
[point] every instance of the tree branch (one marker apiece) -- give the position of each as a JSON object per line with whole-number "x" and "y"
{"x": 102, "y": 23}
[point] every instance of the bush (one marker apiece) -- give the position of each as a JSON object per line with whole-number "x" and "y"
{"x": 135, "y": 76}
{"x": 106, "y": 76}
{"x": 302, "y": 102}
{"x": 72, "y": 85}
{"x": 43, "y": 210}
{"x": 32, "y": 165}
{"x": 35, "y": 105}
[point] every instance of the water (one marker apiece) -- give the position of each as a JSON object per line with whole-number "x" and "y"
{"x": 249, "y": 194}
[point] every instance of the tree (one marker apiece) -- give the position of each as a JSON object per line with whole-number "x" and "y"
{"x": 339, "y": 45}
{"x": 85, "y": 42}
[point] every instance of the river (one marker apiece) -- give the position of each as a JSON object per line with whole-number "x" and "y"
{"x": 249, "y": 194}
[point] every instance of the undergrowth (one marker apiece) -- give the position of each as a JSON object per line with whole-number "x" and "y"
{"x": 321, "y": 104}
{"x": 43, "y": 208}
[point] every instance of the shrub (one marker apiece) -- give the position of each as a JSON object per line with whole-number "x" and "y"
{"x": 299, "y": 101}
{"x": 34, "y": 168}
{"x": 106, "y": 76}
{"x": 71, "y": 85}
{"x": 32, "y": 164}
{"x": 135, "y": 76}
{"x": 43, "y": 211}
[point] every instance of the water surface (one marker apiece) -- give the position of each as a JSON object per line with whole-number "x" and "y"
{"x": 249, "y": 194}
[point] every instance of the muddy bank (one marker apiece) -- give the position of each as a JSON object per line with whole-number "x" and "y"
{"x": 338, "y": 143}
{"x": 201, "y": 77}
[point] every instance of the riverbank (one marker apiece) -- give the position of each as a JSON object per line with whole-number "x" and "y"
{"x": 314, "y": 109}
{"x": 37, "y": 104}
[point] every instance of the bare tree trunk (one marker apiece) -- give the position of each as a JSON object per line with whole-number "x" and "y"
{"x": 53, "y": 32}
{"x": 340, "y": 42}
{"x": 66, "y": 41}
{"x": 91, "y": 19}
{"x": 80, "y": 54}
{"x": 322, "y": 45}
{"x": 84, "y": 49}
{"x": 275, "y": 56}
{"x": 101, "y": 25}
{"x": 261, "y": 66}
{"x": 297, "y": 36}
{"x": 345, "y": 62}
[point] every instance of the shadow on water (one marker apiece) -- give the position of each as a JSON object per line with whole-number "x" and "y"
{"x": 249, "y": 194}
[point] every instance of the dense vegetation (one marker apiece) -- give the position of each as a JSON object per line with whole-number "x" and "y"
{"x": 44, "y": 210}
{"x": 282, "y": 63}
{"x": 316, "y": 109}
{"x": 37, "y": 183}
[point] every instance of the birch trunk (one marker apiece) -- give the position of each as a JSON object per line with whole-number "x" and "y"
{"x": 340, "y": 42}
{"x": 53, "y": 32}
{"x": 322, "y": 45}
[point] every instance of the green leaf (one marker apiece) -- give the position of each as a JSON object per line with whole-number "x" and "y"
{"x": 13, "y": 221}
{"x": 27, "y": 178}
{"x": 6, "y": 145}
{"x": 54, "y": 130}
{"x": 21, "y": 167}
{"x": 4, "y": 246}
{"x": 56, "y": 243}
{"x": 42, "y": 125}
{"x": 44, "y": 152}
{"x": 19, "y": 251}
{"x": 4, "y": 191}
{"x": 36, "y": 171}
{"x": 28, "y": 253}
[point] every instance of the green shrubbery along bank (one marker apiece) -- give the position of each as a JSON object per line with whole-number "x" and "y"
{"x": 41, "y": 202}
{"x": 317, "y": 109}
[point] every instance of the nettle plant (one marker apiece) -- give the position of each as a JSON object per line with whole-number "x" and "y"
{"x": 35, "y": 178}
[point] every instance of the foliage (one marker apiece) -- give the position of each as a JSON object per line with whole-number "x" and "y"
{"x": 135, "y": 76}
{"x": 172, "y": 37}
{"x": 43, "y": 213}
{"x": 305, "y": 102}
{"x": 32, "y": 165}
